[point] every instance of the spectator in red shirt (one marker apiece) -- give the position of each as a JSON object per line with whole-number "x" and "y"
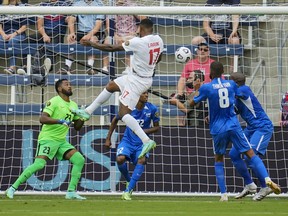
{"x": 201, "y": 62}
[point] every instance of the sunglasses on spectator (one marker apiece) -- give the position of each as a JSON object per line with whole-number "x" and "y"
{"x": 203, "y": 49}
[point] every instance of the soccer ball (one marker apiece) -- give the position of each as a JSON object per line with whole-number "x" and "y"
{"x": 183, "y": 54}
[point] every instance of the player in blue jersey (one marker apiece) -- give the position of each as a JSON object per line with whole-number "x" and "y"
{"x": 131, "y": 145}
{"x": 258, "y": 131}
{"x": 225, "y": 127}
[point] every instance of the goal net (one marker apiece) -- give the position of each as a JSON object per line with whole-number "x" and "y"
{"x": 183, "y": 162}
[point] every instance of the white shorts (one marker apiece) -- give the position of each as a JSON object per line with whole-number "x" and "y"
{"x": 131, "y": 87}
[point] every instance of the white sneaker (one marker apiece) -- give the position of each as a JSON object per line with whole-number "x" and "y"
{"x": 47, "y": 65}
{"x": 21, "y": 71}
{"x": 224, "y": 198}
{"x": 248, "y": 189}
{"x": 262, "y": 194}
{"x": 105, "y": 69}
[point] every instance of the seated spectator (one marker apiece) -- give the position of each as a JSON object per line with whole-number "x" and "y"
{"x": 50, "y": 29}
{"x": 89, "y": 27}
{"x": 125, "y": 29}
{"x": 195, "y": 114}
{"x": 12, "y": 31}
{"x": 201, "y": 62}
{"x": 220, "y": 29}
{"x": 284, "y": 111}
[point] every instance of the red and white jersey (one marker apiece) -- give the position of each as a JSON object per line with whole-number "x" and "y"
{"x": 146, "y": 52}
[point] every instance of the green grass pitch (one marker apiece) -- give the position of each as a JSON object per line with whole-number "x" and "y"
{"x": 35, "y": 205}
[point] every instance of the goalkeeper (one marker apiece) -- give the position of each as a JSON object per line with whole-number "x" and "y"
{"x": 131, "y": 145}
{"x": 56, "y": 118}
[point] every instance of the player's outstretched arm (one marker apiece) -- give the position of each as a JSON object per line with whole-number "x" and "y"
{"x": 110, "y": 132}
{"x": 46, "y": 119}
{"x": 103, "y": 47}
{"x": 153, "y": 129}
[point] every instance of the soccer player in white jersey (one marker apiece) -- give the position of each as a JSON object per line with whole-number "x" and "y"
{"x": 147, "y": 50}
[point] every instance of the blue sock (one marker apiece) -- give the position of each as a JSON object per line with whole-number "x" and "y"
{"x": 240, "y": 166}
{"x": 261, "y": 180}
{"x": 139, "y": 169}
{"x": 258, "y": 168}
{"x": 124, "y": 170}
{"x": 219, "y": 172}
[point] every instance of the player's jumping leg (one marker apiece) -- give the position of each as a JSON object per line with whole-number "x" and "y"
{"x": 137, "y": 173}
{"x": 86, "y": 113}
{"x": 239, "y": 164}
{"x": 38, "y": 164}
{"x": 78, "y": 162}
{"x": 258, "y": 167}
{"x": 220, "y": 176}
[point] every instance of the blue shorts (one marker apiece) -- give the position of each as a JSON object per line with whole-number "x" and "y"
{"x": 259, "y": 139}
{"x": 130, "y": 151}
{"x": 236, "y": 136}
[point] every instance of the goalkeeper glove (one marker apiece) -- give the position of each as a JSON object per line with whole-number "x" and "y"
{"x": 64, "y": 122}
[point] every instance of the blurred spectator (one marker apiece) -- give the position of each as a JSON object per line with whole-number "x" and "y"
{"x": 201, "y": 62}
{"x": 284, "y": 110}
{"x": 50, "y": 29}
{"x": 220, "y": 29}
{"x": 12, "y": 31}
{"x": 195, "y": 114}
{"x": 89, "y": 27}
{"x": 125, "y": 29}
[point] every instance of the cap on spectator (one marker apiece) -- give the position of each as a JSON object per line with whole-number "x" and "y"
{"x": 203, "y": 44}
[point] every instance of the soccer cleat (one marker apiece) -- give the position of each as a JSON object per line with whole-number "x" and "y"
{"x": 47, "y": 65}
{"x": 248, "y": 189}
{"x": 224, "y": 198}
{"x": 10, "y": 192}
{"x": 275, "y": 188}
{"x": 127, "y": 195}
{"x": 151, "y": 144}
{"x": 262, "y": 194}
{"x": 81, "y": 113}
{"x": 73, "y": 195}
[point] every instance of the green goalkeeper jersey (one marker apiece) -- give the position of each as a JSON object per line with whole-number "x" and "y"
{"x": 57, "y": 108}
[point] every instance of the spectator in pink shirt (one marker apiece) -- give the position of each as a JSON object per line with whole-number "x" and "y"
{"x": 201, "y": 62}
{"x": 125, "y": 28}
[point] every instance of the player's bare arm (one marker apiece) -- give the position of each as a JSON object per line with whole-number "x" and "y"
{"x": 110, "y": 132}
{"x": 103, "y": 47}
{"x": 153, "y": 129}
{"x": 46, "y": 119}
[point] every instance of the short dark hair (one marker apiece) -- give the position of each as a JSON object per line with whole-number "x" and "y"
{"x": 239, "y": 78}
{"x": 58, "y": 83}
{"x": 217, "y": 69}
{"x": 146, "y": 23}
{"x": 198, "y": 74}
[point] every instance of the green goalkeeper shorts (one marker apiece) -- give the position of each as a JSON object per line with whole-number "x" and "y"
{"x": 53, "y": 149}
